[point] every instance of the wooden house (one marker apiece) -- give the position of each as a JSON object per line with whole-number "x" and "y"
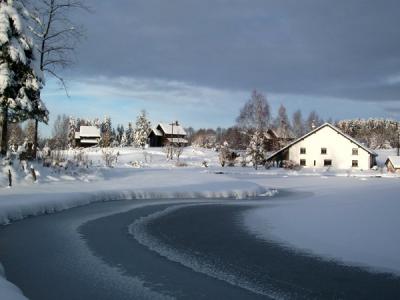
{"x": 164, "y": 134}
{"x": 393, "y": 164}
{"x": 87, "y": 136}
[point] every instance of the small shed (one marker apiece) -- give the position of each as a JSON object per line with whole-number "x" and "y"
{"x": 87, "y": 136}
{"x": 393, "y": 164}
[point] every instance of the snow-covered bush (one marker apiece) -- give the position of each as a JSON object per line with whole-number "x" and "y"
{"x": 110, "y": 157}
{"x": 290, "y": 164}
{"x": 226, "y": 156}
{"x": 81, "y": 158}
{"x": 57, "y": 157}
{"x": 136, "y": 164}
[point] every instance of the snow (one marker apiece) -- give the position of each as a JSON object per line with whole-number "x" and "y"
{"x": 89, "y": 131}
{"x": 349, "y": 220}
{"x": 175, "y": 129}
{"x": 9, "y": 291}
{"x": 351, "y": 202}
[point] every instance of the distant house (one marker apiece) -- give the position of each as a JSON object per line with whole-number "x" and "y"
{"x": 278, "y": 138}
{"x": 326, "y": 146}
{"x": 164, "y": 134}
{"x": 87, "y": 136}
{"x": 393, "y": 164}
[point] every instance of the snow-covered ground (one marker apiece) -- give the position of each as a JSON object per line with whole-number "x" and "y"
{"x": 349, "y": 212}
{"x": 352, "y": 220}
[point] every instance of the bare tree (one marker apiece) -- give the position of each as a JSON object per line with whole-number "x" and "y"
{"x": 255, "y": 114}
{"x": 298, "y": 124}
{"x": 313, "y": 121}
{"x": 60, "y": 132}
{"x": 57, "y": 36}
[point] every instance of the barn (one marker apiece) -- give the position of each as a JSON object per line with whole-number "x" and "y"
{"x": 326, "y": 146}
{"x": 164, "y": 134}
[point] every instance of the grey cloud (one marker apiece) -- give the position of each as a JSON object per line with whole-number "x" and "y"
{"x": 330, "y": 48}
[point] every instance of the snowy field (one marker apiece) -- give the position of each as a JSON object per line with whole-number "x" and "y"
{"x": 344, "y": 215}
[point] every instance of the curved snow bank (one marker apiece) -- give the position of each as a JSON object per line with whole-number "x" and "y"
{"x": 9, "y": 291}
{"x": 189, "y": 260}
{"x": 21, "y": 202}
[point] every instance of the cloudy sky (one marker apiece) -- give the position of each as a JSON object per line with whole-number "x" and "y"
{"x": 197, "y": 61}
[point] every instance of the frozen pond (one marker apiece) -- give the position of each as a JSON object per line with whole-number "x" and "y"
{"x": 182, "y": 249}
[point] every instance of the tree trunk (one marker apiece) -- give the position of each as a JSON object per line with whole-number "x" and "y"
{"x": 35, "y": 139}
{"x": 4, "y": 131}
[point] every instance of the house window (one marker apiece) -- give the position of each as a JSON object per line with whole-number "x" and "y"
{"x": 355, "y": 151}
{"x": 323, "y": 150}
{"x": 302, "y": 162}
{"x": 354, "y": 163}
{"x": 302, "y": 150}
{"x": 327, "y": 162}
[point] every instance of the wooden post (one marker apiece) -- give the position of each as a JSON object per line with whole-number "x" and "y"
{"x": 9, "y": 178}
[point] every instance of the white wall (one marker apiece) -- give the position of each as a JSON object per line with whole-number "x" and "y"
{"x": 339, "y": 150}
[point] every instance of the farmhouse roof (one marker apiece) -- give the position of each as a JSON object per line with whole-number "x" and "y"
{"x": 175, "y": 129}
{"x": 395, "y": 160}
{"x": 317, "y": 129}
{"x": 89, "y": 131}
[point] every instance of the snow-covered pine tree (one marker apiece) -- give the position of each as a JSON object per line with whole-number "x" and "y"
{"x": 71, "y": 132}
{"x": 256, "y": 148}
{"x": 129, "y": 135}
{"x": 142, "y": 129}
{"x": 20, "y": 75}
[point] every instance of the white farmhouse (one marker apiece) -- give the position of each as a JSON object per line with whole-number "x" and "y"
{"x": 326, "y": 146}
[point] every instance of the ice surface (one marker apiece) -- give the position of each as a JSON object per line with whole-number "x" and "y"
{"x": 354, "y": 222}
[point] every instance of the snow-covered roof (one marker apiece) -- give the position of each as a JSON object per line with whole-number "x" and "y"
{"x": 157, "y": 132}
{"x": 175, "y": 129}
{"x": 77, "y": 135}
{"x": 315, "y": 130}
{"x": 89, "y": 131}
{"x": 177, "y": 140}
{"x": 395, "y": 160}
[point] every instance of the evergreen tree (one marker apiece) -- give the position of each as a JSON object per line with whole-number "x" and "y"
{"x": 256, "y": 148}
{"x": 20, "y": 75}
{"x": 129, "y": 135}
{"x": 71, "y": 132}
{"x": 142, "y": 129}
{"x": 16, "y": 135}
{"x": 30, "y": 131}
{"x": 282, "y": 123}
